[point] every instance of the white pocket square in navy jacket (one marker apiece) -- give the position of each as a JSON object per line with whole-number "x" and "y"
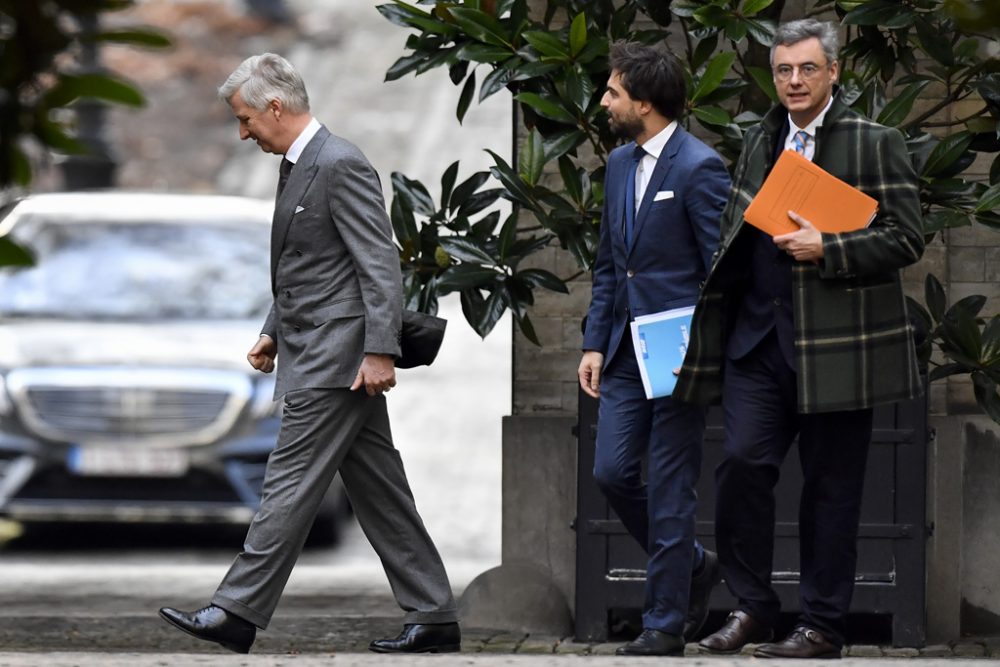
{"x": 664, "y": 194}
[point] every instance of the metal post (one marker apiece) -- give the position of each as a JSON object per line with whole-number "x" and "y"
{"x": 96, "y": 168}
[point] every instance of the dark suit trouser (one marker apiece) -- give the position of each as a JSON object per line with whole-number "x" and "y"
{"x": 761, "y": 421}
{"x": 323, "y": 431}
{"x": 659, "y": 512}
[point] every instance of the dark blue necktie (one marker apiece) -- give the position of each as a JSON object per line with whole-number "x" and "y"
{"x": 630, "y": 204}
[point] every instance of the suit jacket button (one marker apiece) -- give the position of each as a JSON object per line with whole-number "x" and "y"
{"x": 297, "y": 328}
{"x": 288, "y": 294}
{"x": 630, "y": 273}
{"x": 298, "y": 253}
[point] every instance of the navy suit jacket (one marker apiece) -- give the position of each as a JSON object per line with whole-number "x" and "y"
{"x": 673, "y": 242}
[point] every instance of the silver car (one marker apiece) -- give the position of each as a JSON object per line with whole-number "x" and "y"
{"x": 125, "y": 393}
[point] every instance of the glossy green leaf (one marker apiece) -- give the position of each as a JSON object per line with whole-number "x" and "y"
{"x": 546, "y": 106}
{"x": 465, "y": 99}
{"x": 560, "y": 144}
{"x": 466, "y": 188}
{"x": 546, "y": 44}
{"x": 712, "y": 115}
{"x": 754, "y": 7}
{"x": 764, "y": 80}
{"x": 946, "y": 152}
{"x": 401, "y": 13}
{"x": 494, "y": 308}
{"x": 484, "y": 53}
{"x": 508, "y": 234}
{"x": 896, "y": 111}
{"x": 496, "y": 81}
{"x": 985, "y": 390}
{"x": 579, "y": 88}
{"x": 448, "y": 183}
{"x": 466, "y": 250}
{"x": 761, "y": 31}
{"x": 571, "y": 180}
{"x": 713, "y": 75}
{"x": 108, "y": 88}
{"x": 936, "y": 221}
{"x": 480, "y": 26}
{"x": 544, "y": 279}
{"x": 934, "y": 297}
{"x": 12, "y": 254}
{"x": 990, "y": 199}
{"x": 532, "y": 157}
{"x": 414, "y": 193}
{"x": 464, "y": 276}
{"x": 577, "y": 34}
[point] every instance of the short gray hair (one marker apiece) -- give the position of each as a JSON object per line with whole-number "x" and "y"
{"x": 794, "y": 32}
{"x": 260, "y": 79}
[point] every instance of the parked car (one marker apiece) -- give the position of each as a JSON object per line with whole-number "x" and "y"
{"x": 125, "y": 393}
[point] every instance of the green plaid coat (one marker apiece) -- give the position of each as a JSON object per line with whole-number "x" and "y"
{"x": 853, "y": 342}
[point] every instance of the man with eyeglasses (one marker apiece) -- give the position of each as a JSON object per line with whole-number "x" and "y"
{"x": 801, "y": 335}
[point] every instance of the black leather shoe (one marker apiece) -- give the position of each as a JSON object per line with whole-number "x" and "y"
{"x": 739, "y": 630}
{"x": 701, "y": 591}
{"x": 214, "y": 624}
{"x": 653, "y": 642}
{"x": 422, "y": 638}
{"x": 803, "y": 642}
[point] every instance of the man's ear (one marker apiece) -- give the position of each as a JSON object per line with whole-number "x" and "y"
{"x": 275, "y": 107}
{"x": 643, "y": 107}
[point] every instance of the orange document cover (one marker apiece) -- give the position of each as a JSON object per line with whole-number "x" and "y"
{"x": 796, "y": 184}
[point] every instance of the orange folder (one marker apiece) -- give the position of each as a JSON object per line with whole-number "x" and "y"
{"x": 796, "y": 184}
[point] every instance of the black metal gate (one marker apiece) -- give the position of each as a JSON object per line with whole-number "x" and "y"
{"x": 610, "y": 566}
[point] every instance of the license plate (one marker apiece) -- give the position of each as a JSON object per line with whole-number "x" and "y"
{"x": 128, "y": 462}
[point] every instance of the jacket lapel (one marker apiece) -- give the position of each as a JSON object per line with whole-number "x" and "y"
{"x": 660, "y": 172}
{"x": 298, "y": 182}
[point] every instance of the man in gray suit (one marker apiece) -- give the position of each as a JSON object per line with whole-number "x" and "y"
{"x": 335, "y": 325}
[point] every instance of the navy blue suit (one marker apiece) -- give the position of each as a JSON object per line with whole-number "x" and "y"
{"x": 674, "y": 234}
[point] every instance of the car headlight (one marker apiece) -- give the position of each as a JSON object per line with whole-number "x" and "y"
{"x": 263, "y": 404}
{"x": 5, "y": 405}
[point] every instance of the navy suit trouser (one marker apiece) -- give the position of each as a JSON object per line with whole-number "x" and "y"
{"x": 759, "y": 402}
{"x": 659, "y": 512}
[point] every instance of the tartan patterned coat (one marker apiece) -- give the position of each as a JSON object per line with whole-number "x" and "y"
{"x": 853, "y": 342}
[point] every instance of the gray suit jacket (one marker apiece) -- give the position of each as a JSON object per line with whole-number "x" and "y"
{"x": 334, "y": 269}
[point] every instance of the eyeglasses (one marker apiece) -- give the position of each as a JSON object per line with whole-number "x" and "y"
{"x": 807, "y": 71}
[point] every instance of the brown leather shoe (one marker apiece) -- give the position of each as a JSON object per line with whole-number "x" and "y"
{"x": 739, "y": 630}
{"x": 803, "y": 642}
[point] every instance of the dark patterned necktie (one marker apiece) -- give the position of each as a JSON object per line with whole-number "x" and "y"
{"x": 283, "y": 171}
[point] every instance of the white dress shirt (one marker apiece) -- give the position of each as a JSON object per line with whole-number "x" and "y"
{"x": 299, "y": 145}
{"x": 809, "y": 129}
{"x": 653, "y": 147}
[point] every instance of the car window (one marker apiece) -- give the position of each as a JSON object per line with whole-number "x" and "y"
{"x": 142, "y": 270}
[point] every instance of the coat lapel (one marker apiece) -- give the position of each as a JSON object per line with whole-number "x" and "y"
{"x": 298, "y": 182}
{"x": 660, "y": 172}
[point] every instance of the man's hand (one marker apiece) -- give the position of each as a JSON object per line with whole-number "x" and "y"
{"x": 261, "y": 355}
{"x": 590, "y": 373}
{"x": 805, "y": 245}
{"x": 377, "y": 374}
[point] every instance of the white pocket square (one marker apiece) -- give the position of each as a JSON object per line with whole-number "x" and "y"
{"x": 298, "y": 209}
{"x": 664, "y": 194}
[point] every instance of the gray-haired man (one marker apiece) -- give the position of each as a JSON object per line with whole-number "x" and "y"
{"x": 335, "y": 324}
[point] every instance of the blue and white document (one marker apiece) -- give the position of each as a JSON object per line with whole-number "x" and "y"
{"x": 661, "y": 341}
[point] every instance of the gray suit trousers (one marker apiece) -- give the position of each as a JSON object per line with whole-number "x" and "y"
{"x": 323, "y": 431}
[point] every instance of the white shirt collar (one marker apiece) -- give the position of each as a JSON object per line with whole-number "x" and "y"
{"x": 810, "y": 129}
{"x": 300, "y": 143}
{"x": 654, "y": 146}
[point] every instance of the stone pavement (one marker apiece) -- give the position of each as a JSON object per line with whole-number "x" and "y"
{"x": 308, "y": 638}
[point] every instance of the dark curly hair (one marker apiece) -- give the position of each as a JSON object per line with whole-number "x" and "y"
{"x": 651, "y": 75}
